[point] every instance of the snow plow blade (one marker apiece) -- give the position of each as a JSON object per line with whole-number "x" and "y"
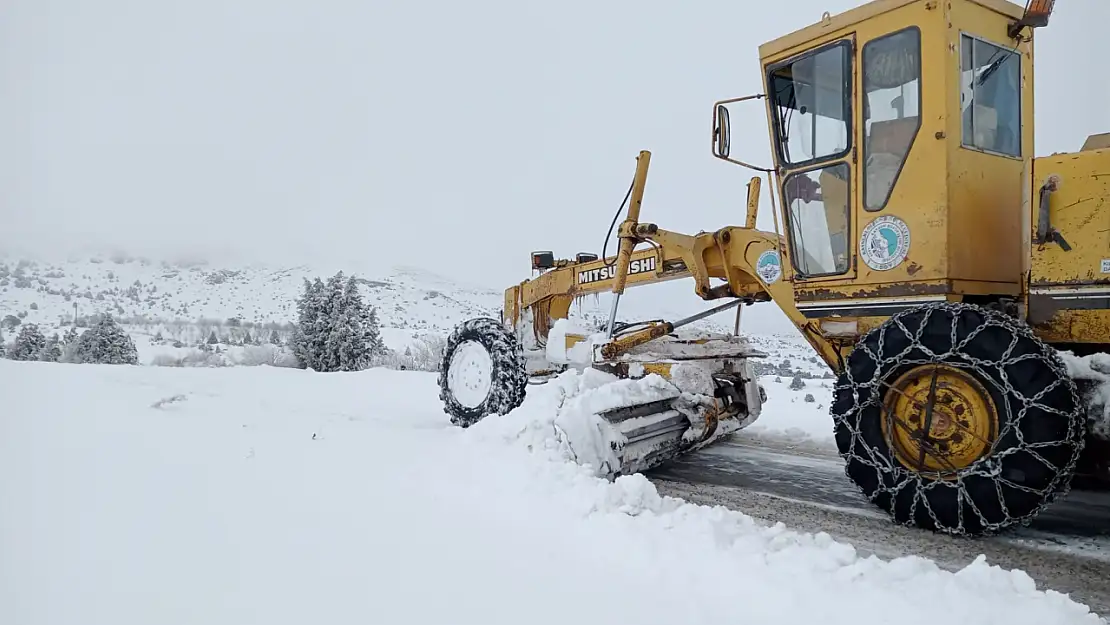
{"x": 647, "y": 404}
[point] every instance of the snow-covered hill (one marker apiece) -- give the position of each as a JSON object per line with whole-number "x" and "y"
{"x": 186, "y": 300}
{"x": 49, "y": 292}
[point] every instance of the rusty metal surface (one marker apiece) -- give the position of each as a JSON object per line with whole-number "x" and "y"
{"x": 1055, "y": 326}
{"x": 887, "y": 290}
{"x": 1077, "y": 208}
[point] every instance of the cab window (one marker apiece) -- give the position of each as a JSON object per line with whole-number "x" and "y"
{"x": 990, "y": 97}
{"x": 817, "y": 204}
{"x": 811, "y": 98}
{"x": 891, "y": 111}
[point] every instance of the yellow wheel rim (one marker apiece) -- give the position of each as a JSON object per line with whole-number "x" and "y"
{"x": 960, "y": 428}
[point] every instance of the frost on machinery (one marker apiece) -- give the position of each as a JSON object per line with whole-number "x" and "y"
{"x": 957, "y": 286}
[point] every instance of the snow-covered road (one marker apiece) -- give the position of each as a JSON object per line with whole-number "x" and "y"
{"x": 255, "y": 495}
{"x": 1067, "y": 547}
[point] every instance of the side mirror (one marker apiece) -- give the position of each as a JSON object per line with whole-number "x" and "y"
{"x": 721, "y": 134}
{"x": 722, "y": 138}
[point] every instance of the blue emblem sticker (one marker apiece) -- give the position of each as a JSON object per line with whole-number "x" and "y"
{"x": 769, "y": 266}
{"x": 885, "y": 243}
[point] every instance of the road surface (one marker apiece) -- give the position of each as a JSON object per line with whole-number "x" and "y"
{"x": 1067, "y": 548}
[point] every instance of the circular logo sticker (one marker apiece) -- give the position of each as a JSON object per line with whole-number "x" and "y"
{"x": 769, "y": 266}
{"x": 885, "y": 243}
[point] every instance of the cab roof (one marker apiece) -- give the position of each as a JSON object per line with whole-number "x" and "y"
{"x": 864, "y": 12}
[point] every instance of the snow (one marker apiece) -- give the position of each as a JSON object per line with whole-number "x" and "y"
{"x": 268, "y": 495}
{"x": 1093, "y": 371}
{"x": 580, "y": 353}
{"x": 787, "y": 416}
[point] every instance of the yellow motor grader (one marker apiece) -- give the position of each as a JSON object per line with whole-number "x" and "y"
{"x": 957, "y": 286}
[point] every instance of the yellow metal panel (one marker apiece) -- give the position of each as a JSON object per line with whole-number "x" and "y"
{"x": 1069, "y": 291}
{"x": 984, "y": 189}
{"x": 1075, "y": 326}
{"x": 1097, "y": 142}
{"x": 826, "y": 29}
{"x": 918, "y": 197}
{"x": 573, "y": 339}
{"x": 1080, "y": 210}
{"x": 659, "y": 368}
{"x": 1008, "y": 9}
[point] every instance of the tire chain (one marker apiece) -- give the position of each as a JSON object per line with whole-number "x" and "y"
{"x": 988, "y": 467}
{"x": 509, "y": 386}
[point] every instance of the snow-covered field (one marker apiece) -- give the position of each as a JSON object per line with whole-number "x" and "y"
{"x": 141, "y": 495}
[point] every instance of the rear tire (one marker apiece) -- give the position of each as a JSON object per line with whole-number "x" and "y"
{"x": 483, "y": 372}
{"x": 1036, "y": 424}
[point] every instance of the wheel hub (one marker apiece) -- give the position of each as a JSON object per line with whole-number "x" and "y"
{"x": 939, "y": 419}
{"x": 470, "y": 376}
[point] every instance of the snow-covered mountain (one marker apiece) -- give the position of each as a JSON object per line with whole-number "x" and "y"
{"x": 47, "y": 293}
{"x": 194, "y": 297}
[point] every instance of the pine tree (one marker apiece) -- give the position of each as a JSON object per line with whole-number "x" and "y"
{"x": 305, "y": 331}
{"x": 336, "y": 331}
{"x": 70, "y": 336}
{"x": 275, "y": 338}
{"x": 247, "y": 340}
{"x": 372, "y": 336}
{"x": 334, "y": 324}
{"x": 353, "y": 350}
{"x": 52, "y": 351}
{"x": 3, "y": 349}
{"x": 212, "y": 340}
{"x": 28, "y": 343}
{"x": 106, "y": 343}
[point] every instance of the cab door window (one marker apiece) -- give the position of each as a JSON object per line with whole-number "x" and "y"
{"x": 891, "y": 111}
{"x": 817, "y": 204}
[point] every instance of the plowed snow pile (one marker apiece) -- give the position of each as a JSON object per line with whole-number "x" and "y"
{"x": 135, "y": 495}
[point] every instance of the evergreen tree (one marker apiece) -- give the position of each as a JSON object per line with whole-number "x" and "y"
{"x": 247, "y": 340}
{"x": 372, "y": 335}
{"x": 336, "y": 330}
{"x": 106, "y": 343}
{"x": 71, "y": 336}
{"x": 304, "y": 333}
{"x": 3, "y": 349}
{"x": 28, "y": 343}
{"x": 332, "y": 322}
{"x": 52, "y": 351}
{"x": 212, "y": 340}
{"x": 348, "y": 332}
{"x": 275, "y": 338}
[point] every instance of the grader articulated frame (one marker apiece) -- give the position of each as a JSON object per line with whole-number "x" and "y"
{"x": 953, "y": 282}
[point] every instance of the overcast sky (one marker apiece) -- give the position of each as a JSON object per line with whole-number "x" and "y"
{"x": 457, "y": 136}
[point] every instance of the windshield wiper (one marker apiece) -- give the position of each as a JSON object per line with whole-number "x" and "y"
{"x": 994, "y": 65}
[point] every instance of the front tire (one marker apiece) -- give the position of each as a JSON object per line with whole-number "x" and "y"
{"x": 483, "y": 372}
{"x": 957, "y": 419}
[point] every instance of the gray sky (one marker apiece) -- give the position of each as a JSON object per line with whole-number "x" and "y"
{"x": 457, "y": 136}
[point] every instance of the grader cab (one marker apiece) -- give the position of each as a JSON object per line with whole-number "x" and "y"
{"x": 958, "y": 286}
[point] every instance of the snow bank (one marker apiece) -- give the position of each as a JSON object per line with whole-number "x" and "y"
{"x": 1093, "y": 375}
{"x": 261, "y": 495}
